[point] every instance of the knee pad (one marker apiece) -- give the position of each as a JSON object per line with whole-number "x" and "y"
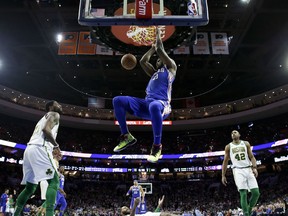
{"x": 43, "y": 189}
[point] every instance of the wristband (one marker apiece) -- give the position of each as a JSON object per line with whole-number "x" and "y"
{"x": 56, "y": 146}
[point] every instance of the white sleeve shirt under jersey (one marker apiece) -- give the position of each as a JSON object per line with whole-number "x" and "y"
{"x": 239, "y": 156}
{"x": 38, "y": 137}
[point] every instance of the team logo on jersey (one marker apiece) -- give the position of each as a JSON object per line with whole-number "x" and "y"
{"x": 49, "y": 171}
{"x": 238, "y": 149}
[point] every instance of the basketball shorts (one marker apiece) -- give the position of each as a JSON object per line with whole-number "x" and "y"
{"x": 7, "y": 210}
{"x": 3, "y": 208}
{"x": 38, "y": 164}
{"x": 132, "y": 203}
{"x": 11, "y": 210}
{"x": 142, "y": 208}
{"x": 140, "y": 107}
{"x": 244, "y": 178}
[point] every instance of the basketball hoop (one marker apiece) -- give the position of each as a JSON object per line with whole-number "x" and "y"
{"x": 145, "y": 15}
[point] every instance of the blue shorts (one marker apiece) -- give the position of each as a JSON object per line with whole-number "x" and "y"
{"x": 142, "y": 208}
{"x": 132, "y": 203}
{"x": 140, "y": 107}
{"x": 3, "y": 209}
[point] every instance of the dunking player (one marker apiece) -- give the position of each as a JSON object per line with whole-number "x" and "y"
{"x": 156, "y": 105}
{"x": 244, "y": 170}
{"x": 136, "y": 191}
{"x": 38, "y": 163}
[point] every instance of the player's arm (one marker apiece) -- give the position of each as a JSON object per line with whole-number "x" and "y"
{"x": 57, "y": 154}
{"x": 160, "y": 204}
{"x": 144, "y": 61}
{"x": 170, "y": 63}
{"x": 129, "y": 191}
{"x": 142, "y": 194}
{"x": 62, "y": 191}
{"x": 136, "y": 203}
{"x": 52, "y": 120}
{"x": 225, "y": 164}
{"x": 252, "y": 158}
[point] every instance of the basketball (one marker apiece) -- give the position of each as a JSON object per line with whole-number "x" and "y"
{"x": 128, "y": 61}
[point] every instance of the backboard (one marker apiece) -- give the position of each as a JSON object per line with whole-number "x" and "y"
{"x": 143, "y": 13}
{"x": 147, "y": 187}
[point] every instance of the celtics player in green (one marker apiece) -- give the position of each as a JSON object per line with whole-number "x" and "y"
{"x": 11, "y": 204}
{"x": 244, "y": 171}
{"x": 38, "y": 163}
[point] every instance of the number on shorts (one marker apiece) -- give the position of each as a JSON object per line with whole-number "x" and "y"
{"x": 240, "y": 156}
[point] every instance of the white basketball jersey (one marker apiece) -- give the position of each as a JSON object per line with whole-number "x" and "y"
{"x": 239, "y": 155}
{"x": 38, "y": 136}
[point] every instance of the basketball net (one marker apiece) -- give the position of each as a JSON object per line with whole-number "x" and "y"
{"x": 140, "y": 34}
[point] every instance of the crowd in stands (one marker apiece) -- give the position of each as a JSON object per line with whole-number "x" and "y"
{"x": 90, "y": 196}
{"x": 204, "y": 197}
{"x": 187, "y": 108}
{"x": 192, "y": 141}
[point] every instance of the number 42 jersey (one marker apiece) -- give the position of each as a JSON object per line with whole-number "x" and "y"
{"x": 239, "y": 156}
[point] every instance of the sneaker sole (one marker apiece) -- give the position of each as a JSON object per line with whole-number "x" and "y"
{"x": 129, "y": 144}
{"x": 152, "y": 161}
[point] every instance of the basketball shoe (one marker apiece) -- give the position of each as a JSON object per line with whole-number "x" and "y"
{"x": 155, "y": 153}
{"x": 125, "y": 140}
